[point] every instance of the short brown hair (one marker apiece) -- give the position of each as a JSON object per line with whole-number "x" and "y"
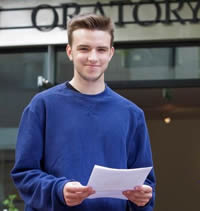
{"x": 91, "y": 22}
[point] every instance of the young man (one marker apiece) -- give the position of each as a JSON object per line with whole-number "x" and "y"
{"x": 68, "y": 129}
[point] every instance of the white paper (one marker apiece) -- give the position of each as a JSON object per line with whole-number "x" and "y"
{"x": 109, "y": 182}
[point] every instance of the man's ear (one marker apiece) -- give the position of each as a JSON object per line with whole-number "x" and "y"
{"x": 69, "y": 52}
{"x": 112, "y": 51}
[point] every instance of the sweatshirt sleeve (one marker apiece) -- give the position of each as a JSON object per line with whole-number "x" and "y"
{"x": 140, "y": 155}
{"x": 38, "y": 189}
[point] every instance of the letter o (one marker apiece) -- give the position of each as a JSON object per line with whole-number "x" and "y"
{"x": 48, "y": 27}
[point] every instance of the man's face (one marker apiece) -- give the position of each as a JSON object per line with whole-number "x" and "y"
{"x": 91, "y": 53}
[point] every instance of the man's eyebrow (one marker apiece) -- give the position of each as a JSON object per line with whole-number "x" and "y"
{"x": 87, "y": 46}
{"x": 83, "y": 46}
{"x": 104, "y": 47}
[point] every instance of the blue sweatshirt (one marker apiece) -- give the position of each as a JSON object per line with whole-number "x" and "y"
{"x": 63, "y": 134}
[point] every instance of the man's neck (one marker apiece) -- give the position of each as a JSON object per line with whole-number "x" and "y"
{"x": 88, "y": 87}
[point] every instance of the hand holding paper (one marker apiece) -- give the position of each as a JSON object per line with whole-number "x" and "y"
{"x": 140, "y": 195}
{"x": 74, "y": 193}
{"x": 109, "y": 182}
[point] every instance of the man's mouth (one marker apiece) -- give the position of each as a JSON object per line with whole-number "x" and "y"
{"x": 92, "y": 65}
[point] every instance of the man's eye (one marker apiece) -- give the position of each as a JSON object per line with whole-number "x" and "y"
{"x": 83, "y": 49}
{"x": 102, "y": 50}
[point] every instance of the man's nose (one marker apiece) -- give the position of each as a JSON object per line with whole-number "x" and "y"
{"x": 92, "y": 57}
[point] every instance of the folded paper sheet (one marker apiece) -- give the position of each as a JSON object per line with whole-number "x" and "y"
{"x": 109, "y": 182}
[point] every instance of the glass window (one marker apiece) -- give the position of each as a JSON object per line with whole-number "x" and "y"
{"x": 64, "y": 67}
{"x": 139, "y": 64}
{"x": 154, "y": 64}
{"x": 18, "y": 83}
{"x": 187, "y": 64}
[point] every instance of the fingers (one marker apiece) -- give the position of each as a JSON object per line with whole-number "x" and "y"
{"x": 74, "y": 189}
{"x": 140, "y": 195}
{"x": 144, "y": 188}
{"x": 79, "y": 194}
{"x": 74, "y": 193}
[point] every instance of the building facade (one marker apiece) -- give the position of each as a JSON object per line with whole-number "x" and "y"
{"x": 156, "y": 65}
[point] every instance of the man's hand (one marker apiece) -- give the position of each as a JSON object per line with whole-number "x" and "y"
{"x": 74, "y": 193}
{"x": 140, "y": 195}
